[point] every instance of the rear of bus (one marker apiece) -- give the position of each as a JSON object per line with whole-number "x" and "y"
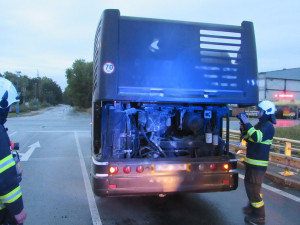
{"x": 160, "y": 96}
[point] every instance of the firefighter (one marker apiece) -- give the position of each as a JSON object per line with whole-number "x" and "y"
{"x": 259, "y": 140}
{"x": 11, "y": 203}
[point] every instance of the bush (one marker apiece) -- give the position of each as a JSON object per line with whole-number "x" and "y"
{"x": 288, "y": 132}
{"x": 33, "y": 105}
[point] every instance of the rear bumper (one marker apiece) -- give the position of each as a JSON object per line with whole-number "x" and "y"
{"x": 163, "y": 183}
{"x": 128, "y": 186}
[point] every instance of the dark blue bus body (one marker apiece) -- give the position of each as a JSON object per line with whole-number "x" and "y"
{"x": 160, "y": 95}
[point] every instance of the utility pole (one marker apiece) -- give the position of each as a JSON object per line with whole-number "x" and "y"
{"x": 37, "y": 89}
{"x": 35, "y": 99}
{"x": 18, "y": 106}
{"x": 24, "y": 93}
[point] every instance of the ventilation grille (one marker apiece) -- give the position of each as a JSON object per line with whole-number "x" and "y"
{"x": 219, "y": 47}
{"x": 97, "y": 47}
{"x": 220, "y": 54}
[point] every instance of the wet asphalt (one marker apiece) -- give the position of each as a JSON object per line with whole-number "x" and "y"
{"x": 55, "y": 192}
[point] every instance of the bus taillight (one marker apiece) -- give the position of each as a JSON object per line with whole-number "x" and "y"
{"x": 113, "y": 169}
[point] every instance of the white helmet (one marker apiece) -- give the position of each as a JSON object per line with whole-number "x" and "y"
{"x": 268, "y": 107}
{"x": 8, "y": 93}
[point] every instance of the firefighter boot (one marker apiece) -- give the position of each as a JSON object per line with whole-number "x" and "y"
{"x": 257, "y": 216}
{"x": 255, "y": 220}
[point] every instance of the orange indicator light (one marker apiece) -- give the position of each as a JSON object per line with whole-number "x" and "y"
{"x": 113, "y": 169}
{"x": 225, "y": 166}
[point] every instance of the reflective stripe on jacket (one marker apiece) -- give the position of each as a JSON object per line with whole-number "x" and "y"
{"x": 11, "y": 196}
{"x": 6, "y": 163}
{"x": 259, "y": 137}
{"x": 259, "y": 140}
{"x": 256, "y": 162}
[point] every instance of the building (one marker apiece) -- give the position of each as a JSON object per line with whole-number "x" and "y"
{"x": 282, "y": 87}
{"x": 280, "y": 82}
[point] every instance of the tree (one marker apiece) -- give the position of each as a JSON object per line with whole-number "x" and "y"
{"x": 36, "y": 89}
{"x": 79, "y": 79}
{"x": 49, "y": 91}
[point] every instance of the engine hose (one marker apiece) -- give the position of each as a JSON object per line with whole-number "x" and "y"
{"x": 146, "y": 148}
{"x": 152, "y": 144}
{"x": 160, "y": 149}
{"x": 135, "y": 141}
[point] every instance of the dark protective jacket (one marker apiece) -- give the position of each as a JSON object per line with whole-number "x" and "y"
{"x": 259, "y": 140}
{"x": 10, "y": 192}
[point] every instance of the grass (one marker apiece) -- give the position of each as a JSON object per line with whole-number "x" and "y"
{"x": 288, "y": 132}
{"x": 85, "y": 110}
{"x": 15, "y": 114}
{"x": 24, "y": 111}
{"x": 10, "y": 115}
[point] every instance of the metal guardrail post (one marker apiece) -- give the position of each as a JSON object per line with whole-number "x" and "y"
{"x": 287, "y": 152}
{"x": 287, "y": 149}
{"x": 244, "y": 143}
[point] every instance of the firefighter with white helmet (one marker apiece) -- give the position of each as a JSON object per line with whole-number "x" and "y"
{"x": 259, "y": 140}
{"x": 11, "y": 202}
{"x": 268, "y": 107}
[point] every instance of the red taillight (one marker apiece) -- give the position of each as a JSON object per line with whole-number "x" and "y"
{"x": 112, "y": 186}
{"x": 113, "y": 169}
{"x": 139, "y": 169}
{"x": 284, "y": 95}
{"x": 126, "y": 169}
{"x": 225, "y": 166}
{"x": 225, "y": 181}
{"x": 213, "y": 166}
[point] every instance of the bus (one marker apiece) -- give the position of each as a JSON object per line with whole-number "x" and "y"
{"x": 160, "y": 95}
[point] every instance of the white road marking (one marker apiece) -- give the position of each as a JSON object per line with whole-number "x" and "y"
{"x": 92, "y": 203}
{"x": 280, "y": 192}
{"x": 12, "y": 134}
{"x": 25, "y": 156}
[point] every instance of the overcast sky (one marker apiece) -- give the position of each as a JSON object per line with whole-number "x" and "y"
{"x": 49, "y": 35}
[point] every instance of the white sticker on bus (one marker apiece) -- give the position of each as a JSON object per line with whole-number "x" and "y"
{"x": 108, "y": 68}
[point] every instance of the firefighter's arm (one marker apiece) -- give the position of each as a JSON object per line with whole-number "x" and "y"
{"x": 253, "y": 134}
{"x": 10, "y": 191}
{"x": 243, "y": 121}
{"x": 243, "y": 129}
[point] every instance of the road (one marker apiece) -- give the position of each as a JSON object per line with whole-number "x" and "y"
{"x": 55, "y": 147}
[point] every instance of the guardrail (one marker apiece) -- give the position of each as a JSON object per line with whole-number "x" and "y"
{"x": 285, "y": 153}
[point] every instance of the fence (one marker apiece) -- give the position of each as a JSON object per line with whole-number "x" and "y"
{"x": 285, "y": 153}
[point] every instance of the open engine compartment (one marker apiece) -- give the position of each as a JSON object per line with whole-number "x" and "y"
{"x": 147, "y": 130}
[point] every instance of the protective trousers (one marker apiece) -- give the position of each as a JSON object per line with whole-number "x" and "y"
{"x": 253, "y": 182}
